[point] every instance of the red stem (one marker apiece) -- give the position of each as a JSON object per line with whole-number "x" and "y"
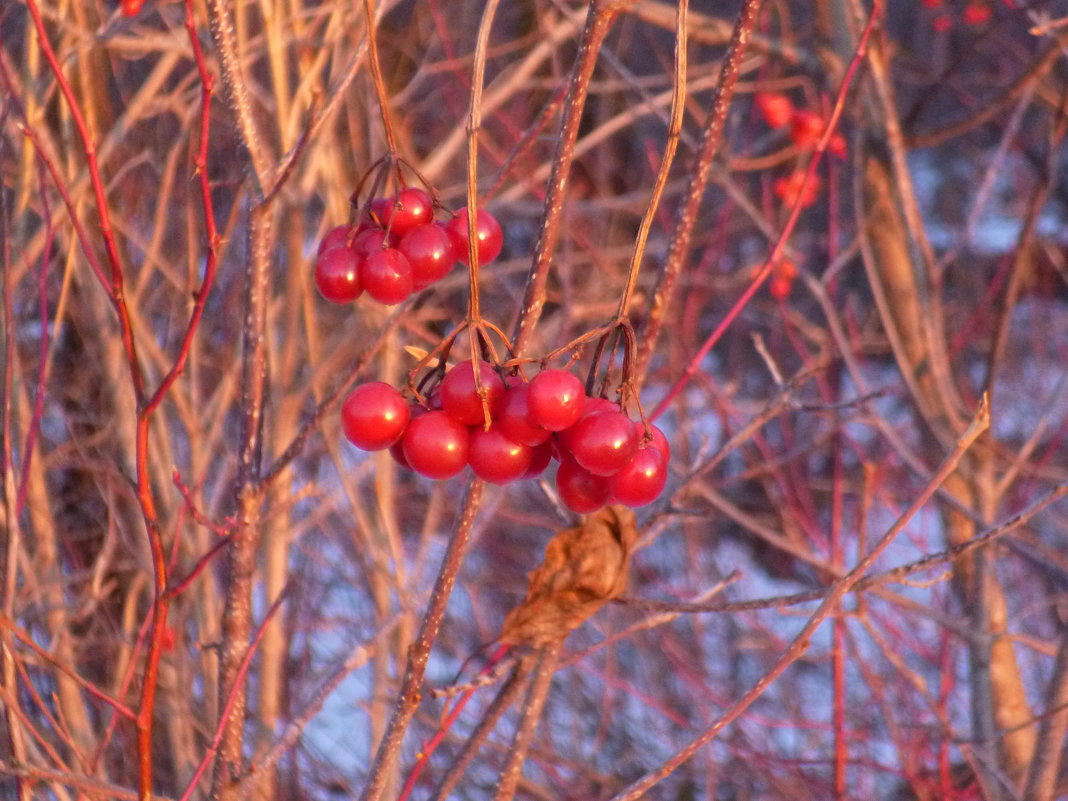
{"x": 200, "y": 161}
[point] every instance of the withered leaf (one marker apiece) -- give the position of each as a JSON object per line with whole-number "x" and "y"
{"x": 584, "y": 568}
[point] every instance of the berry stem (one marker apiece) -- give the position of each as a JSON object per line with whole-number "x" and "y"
{"x": 678, "y": 109}
{"x": 376, "y": 79}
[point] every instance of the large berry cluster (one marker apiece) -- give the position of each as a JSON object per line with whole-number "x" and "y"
{"x": 397, "y": 248}
{"x": 605, "y": 457}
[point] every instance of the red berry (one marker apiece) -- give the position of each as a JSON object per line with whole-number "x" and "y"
{"x": 788, "y": 189}
{"x": 514, "y": 418}
{"x": 942, "y": 23}
{"x": 806, "y": 128}
{"x": 487, "y": 231}
{"x": 496, "y": 458}
{"x": 555, "y": 400}
{"x": 593, "y": 406}
{"x": 387, "y": 276}
{"x": 659, "y": 439}
{"x": 461, "y": 400}
{"x": 335, "y": 237}
{"x": 374, "y": 416}
{"x": 410, "y": 208}
{"x": 430, "y": 252}
{"x": 540, "y": 456}
{"x": 579, "y": 489}
{"x": 370, "y": 241}
{"x": 337, "y": 275}
{"x": 977, "y": 13}
{"x": 435, "y": 445}
{"x": 642, "y": 479}
{"x": 603, "y": 442}
{"x": 776, "y": 108}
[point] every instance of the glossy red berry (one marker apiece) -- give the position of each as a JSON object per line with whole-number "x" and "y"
{"x": 335, "y": 237}
{"x": 555, "y": 400}
{"x": 430, "y": 252}
{"x": 642, "y": 479}
{"x": 387, "y": 276}
{"x": 659, "y": 438}
{"x": 374, "y": 416}
{"x": 487, "y": 231}
{"x": 603, "y": 442}
{"x": 579, "y": 489}
{"x": 460, "y": 399}
{"x": 592, "y": 406}
{"x": 410, "y": 208}
{"x": 435, "y": 445}
{"x": 369, "y": 241}
{"x": 495, "y": 458}
{"x": 337, "y": 275}
{"x": 514, "y": 418}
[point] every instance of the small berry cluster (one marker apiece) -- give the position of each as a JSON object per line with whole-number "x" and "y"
{"x": 605, "y": 457}
{"x": 805, "y": 129}
{"x": 975, "y": 14}
{"x": 396, "y": 248}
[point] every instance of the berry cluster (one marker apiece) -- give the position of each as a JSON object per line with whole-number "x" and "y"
{"x": 805, "y": 127}
{"x": 605, "y": 457}
{"x": 396, "y": 248}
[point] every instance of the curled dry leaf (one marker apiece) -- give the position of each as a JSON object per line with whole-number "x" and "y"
{"x": 585, "y": 567}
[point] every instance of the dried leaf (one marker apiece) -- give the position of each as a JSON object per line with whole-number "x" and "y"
{"x": 584, "y": 568}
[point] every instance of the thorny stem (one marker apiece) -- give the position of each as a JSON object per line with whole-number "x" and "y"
{"x": 795, "y": 213}
{"x": 419, "y": 653}
{"x": 241, "y": 556}
{"x": 679, "y": 247}
{"x": 598, "y": 22}
{"x": 678, "y": 109}
{"x": 376, "y": 77}
{"x": 800, "y": 643}
{"x": 224, "y": 37}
